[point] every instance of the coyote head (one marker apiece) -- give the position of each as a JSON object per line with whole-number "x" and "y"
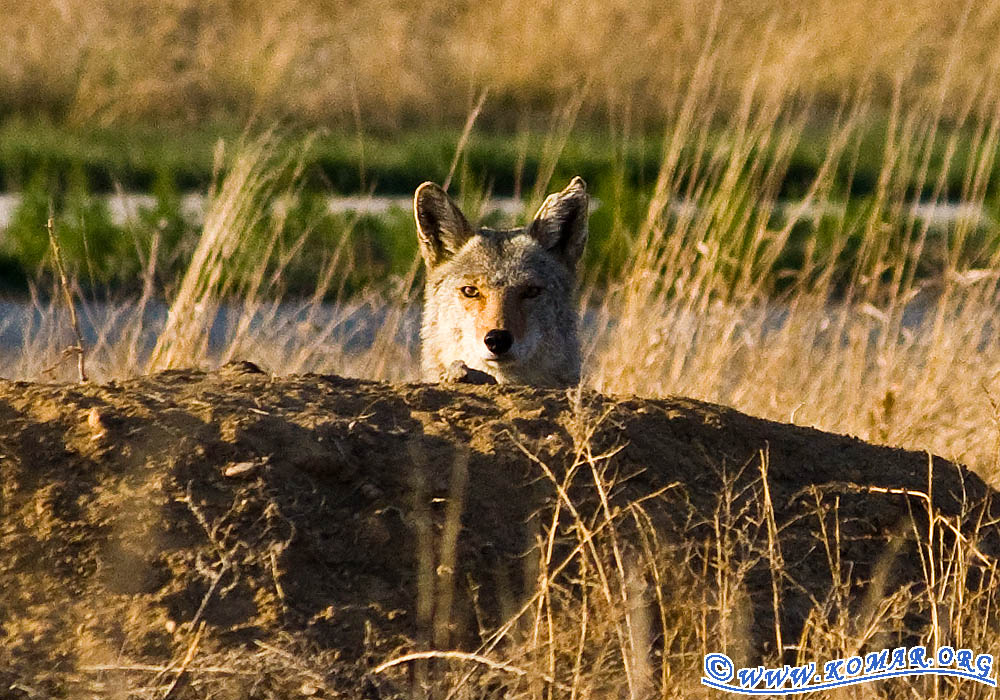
{"x": 501, "y": 301}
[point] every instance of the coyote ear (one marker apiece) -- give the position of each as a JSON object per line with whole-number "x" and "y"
{"x": 561, "y": 222}
{"x": 441, "y": 227}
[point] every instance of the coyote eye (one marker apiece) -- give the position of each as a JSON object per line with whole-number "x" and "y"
{"x": 531, "y": 292}
{"x": 469, "y": 291}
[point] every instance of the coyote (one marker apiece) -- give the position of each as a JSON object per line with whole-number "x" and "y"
{"x": 500, "y": 303}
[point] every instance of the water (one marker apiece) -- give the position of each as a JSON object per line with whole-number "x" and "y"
{"x": 124, "y": 208}
{"x": 352, "y": 325}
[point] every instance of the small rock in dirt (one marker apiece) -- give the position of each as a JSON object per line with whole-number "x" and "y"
{"x": 239, "y": 468}
{"x": 237, "y": 367}
{"x": 96, "y": 422}
{"x": 460, "y": 373}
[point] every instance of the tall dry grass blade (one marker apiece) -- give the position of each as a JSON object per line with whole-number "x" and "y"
{"x": 463, "y": 140}
{"x": 57, "y": 257}
{"x": 238, "y": 205}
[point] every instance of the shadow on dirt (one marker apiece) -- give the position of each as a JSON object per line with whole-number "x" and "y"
{"x": 342, "y": 520}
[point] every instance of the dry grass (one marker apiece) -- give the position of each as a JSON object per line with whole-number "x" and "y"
{"x": 382, "y": 62}
{"x": 874, "y": 350}
{"x": 866, "y": 347}
{"x": 615, "y": 610}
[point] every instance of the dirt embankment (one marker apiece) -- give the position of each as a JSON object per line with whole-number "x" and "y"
{"x": 256, "y": 522}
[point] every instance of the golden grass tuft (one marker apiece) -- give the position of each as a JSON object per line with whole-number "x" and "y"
{"x": 389, "y": 62}
{"x": 872, "y": 349}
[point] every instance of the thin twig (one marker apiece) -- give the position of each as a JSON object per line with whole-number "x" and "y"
{"x": 64, "y": 282}
{"x": 208, "y": 594}
{"x": 153, "y": 668}
{"x": 294, "y": 661}
{"x": 774, "y": 559}
{"x": 852, "y": 487}
{"x": 464, "y": 138}
{"x": 188, "y": 657}
{"x": 466, "y": 656}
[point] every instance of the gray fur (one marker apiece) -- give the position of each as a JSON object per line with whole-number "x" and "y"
{"x": 509, "y": 265}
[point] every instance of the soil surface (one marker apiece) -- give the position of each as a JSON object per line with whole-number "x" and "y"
{"x": 279, "y": 534}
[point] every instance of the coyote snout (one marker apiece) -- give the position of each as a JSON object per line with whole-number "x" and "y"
{"x": 498, "y": 342}
{"x": 501, "y": 301}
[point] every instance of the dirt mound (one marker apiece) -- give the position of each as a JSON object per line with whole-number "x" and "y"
{"x": 296, "y": 532}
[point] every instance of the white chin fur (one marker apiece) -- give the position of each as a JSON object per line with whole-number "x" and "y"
{"x": 514, "y": 368}
{"x": 516, "y": 365}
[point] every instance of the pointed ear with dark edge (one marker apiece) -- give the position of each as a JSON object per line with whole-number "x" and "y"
{"x": 561, "y": 222}
{"x": 442, "y": 229}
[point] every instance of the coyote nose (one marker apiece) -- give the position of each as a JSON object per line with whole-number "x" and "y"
{"x": 498, "y": 341}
